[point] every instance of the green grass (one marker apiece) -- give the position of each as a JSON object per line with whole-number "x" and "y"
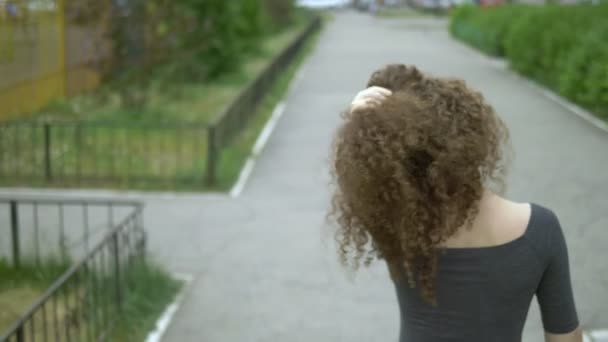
{"x": 147, "y": 290}
{"x": 19, "y": 288}
{"x": 174, "y": 102}
{"x": 150, "y": 292}
{"x": 116, "y": 148}
{"x": 106, "y": 155}
{"x": 30, "y": 273}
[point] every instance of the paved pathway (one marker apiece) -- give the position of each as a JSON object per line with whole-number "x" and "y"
{"x": 264, "y": 268}
{"x": 264, "y": 272}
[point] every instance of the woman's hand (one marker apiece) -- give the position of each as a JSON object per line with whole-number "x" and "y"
{"x": 371, "y": 96}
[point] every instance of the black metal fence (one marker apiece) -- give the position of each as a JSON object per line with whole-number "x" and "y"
{"x": 102, "y": 153}
{"x": 84, "y": 303}
{"x": 232, "y": 121}
{"x": 168, "y": 155}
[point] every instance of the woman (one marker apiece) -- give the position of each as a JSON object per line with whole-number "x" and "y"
{"x": 419, "y": 164}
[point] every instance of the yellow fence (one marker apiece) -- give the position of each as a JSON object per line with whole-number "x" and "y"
{"x": 42, "y": 58}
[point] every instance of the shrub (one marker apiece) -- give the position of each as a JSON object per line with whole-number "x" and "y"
{"x": 280, "y": 12}
{"x": 485, "y": 28}
{"x": 584, "y": 74}
{"x": 250, "y": 26}
{"x": 213, "y": 34}
{"x": 223, "y": 31}
{"x": 563, "y": 47}
{"x": 143, "y": 33}
{"x": 538, "y": 44}
{"x": 220, "y": 32}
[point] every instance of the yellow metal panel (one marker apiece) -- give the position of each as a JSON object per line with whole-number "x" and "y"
{"x": 27, "y": 97}
{"x": 34, "y": 66}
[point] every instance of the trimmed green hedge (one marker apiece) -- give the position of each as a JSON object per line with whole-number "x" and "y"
{"x": 485, "y": 28}
{"x": 562, "y": 47}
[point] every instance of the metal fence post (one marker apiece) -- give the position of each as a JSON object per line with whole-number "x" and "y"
{"x": 15, "y": 234}
{"x": 47, "y": 152}
{"x": 116, "y": 255}
{"x": 211, "y": 155}
{"x": 20, "y": 335}
{"x": 144, "y": 238}
{"x": 78, "y": 146}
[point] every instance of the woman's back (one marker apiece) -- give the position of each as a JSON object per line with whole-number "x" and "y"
{"x": 418, "y": 162}
{"x": 484, "y": 293}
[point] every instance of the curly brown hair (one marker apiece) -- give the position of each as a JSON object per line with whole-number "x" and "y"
{"x": 411, "y": 171}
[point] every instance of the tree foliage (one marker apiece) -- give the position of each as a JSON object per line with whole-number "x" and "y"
{"x": 195, "y": 39}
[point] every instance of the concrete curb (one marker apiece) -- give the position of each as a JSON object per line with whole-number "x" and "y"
{"x": 259, "y": 145}
{"x": 163, "y": 322}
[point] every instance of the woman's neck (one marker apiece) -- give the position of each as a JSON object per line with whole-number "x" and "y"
{"x": 497, "y": 221}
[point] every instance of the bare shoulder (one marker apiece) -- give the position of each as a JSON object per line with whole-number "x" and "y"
{"x": 499, "y": 221}
{"x": 519, "y": 211}
{"x": 512, "y": 219}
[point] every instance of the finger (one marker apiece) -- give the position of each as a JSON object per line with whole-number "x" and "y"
{"x": 370, "y": 94}
{"x": 375, "y": 92}
{"x": 374, "y": 99}
{"x": 358, "y": 104}
{"x": 365, "y": 104}
{"x": 381, "y": 90}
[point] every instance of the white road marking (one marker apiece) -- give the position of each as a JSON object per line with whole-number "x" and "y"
{"x": 162, "y": 324}
{"x": 261, "y": 141}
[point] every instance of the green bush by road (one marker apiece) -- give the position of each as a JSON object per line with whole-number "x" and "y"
{"x": 563, "y": 47}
